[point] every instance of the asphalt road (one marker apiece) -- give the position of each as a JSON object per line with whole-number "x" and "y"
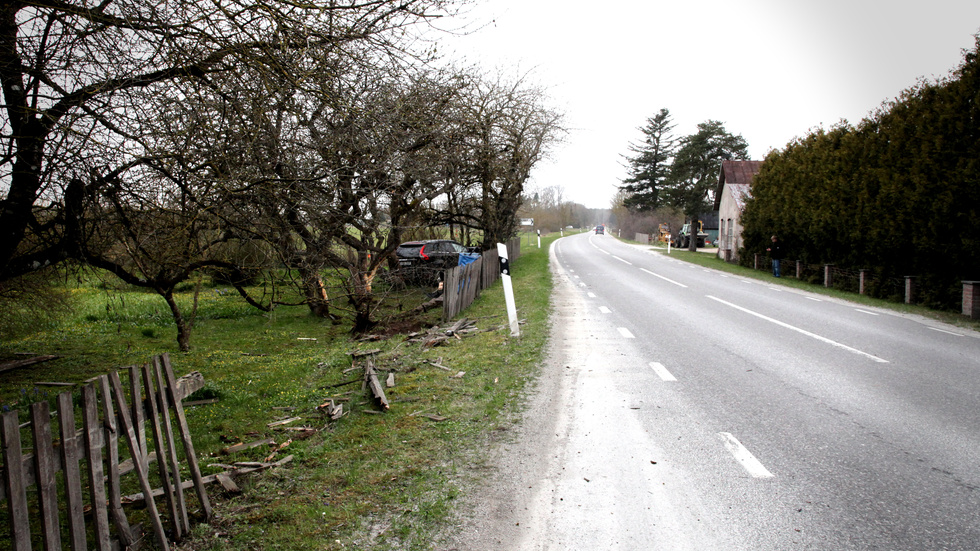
{"x": 685, "y": 408}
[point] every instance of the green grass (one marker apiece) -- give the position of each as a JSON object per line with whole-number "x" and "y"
{"x": 369, "y": 480}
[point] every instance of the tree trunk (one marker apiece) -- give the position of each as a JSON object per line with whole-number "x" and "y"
{"x": 316, "y": 292}
{"x": 183, "y": 328}
{"x": 362, "y": 277}
{"x": 693, "y": 245}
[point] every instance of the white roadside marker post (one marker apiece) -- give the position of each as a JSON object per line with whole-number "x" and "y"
{"x": 515, "y": 328}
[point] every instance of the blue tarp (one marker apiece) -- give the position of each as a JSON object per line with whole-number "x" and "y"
{"x": 467, "y": 258}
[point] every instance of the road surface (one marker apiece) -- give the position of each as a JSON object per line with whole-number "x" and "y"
{"x": 685, "y": 408}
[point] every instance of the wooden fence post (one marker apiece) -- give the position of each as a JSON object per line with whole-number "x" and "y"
{"x": 828, "y": 275}
{"x": 13, "y": 481}
{"x": 73, "y": 475}
{"x": 44, "y": 474}
{"x": 971, "y": 299}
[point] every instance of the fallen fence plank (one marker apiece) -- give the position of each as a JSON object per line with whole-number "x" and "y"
{"x": 371, "y": 378}
{"x": 7, "y": 366}
{"x": 185, "y": 434}
{"x": 139, "y": 459}
{"x": 160, "y": 446}
{"x": 109, "y": 421}
{"x": 245, "y": 446}
{"x": 171, "y": 443}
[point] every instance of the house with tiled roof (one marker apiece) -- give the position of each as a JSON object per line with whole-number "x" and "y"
{"x": 734, "y": 187}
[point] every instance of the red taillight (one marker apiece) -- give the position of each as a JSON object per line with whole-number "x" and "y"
{"x": 422, "y": 253}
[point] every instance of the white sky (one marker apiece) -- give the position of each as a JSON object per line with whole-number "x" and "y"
{"x": 769, "y": 69}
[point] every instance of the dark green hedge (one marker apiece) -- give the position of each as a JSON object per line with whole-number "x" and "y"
{"x": 898, "y": 194}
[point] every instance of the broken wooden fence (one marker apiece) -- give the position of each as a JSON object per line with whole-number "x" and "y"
{"x": 462, "y": 284}
{"x": 88, "y": 492}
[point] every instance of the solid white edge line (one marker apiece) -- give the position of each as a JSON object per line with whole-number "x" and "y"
{"x": 662, "y": 372}
{"x": 621, "y": 260}
{"x": 625, "y": 332}
{"x": 798, "y": 330}
{"x": 668, "y": 280}
{"x": 944, "y": 331}
{"x": 865, "y": 312}
{"x": 748, "y": 461}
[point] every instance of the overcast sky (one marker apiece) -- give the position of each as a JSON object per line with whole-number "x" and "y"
{"x": 770, "y": 70}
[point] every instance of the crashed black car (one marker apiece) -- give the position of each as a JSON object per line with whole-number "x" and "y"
{"x": 434, "y": 253}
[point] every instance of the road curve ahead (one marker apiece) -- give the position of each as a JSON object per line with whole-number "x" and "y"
{"x": 686, "y": 408}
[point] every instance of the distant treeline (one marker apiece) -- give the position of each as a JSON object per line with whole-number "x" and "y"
{"x": 898, "y": 195}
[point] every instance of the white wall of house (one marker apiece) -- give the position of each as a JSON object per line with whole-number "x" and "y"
{"x": 729, "y": 219}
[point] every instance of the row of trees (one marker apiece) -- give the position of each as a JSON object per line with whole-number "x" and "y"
{"x": 157, "y": 140}
{"x": 898, "y": 194}
{"x": 678, "y": 173}
{"x": 551, "y": 211}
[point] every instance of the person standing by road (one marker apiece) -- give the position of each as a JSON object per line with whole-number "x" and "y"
{"x": 776, "y": 254}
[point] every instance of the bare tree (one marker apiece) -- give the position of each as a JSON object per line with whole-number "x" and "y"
{"x": 506, "y": 129}
{"x": 66, "y": 71}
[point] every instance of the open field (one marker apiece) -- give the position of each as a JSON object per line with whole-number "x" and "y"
{"x": 369, "y": 480}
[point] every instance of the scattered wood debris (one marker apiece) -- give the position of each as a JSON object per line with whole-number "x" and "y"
{"x": 360, "y": 353}
{"x": 7, "y": 366}
{"x": 371, "y": 379}
{"x": 248, "y": 445}
{"x": 283, "y": 422}
{"x": 240, "y": 468}
{"x": 331, "y": 410}
{"x": 439, "y": 335}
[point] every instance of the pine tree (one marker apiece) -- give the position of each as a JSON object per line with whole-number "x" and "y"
{"x": 649, "y": 167}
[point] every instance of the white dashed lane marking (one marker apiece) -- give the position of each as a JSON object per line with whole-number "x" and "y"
{"x": 662, "y": 372}
{"x": 748, "y": 461}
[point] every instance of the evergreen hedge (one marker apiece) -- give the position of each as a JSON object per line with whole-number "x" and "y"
{"x": 897, "y": 195}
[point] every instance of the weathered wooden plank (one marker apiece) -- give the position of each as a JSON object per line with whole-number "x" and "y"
{"x": 73, "y": 477}
{"x": 242, "y": 467}
{"x": 138, "y": 407}
{"x": 109, "y": 421}
{"x": 371, "y": 378}
{"x": 93, "y": 455}
{"x": 185, "y": 386}
{"x": 44, "y": 469}
{"x": 185, "y": 435}
{"x": 13, "y": 482}
{"x": 160, "y": 444}
{"x": 171, "y": 442}
{"x": 139, "y": 459}
{"x": 7, "y": 366}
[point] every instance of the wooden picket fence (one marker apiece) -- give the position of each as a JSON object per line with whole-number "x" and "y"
{"x": 463, "y": 284}
{"x": 88, "y": 492}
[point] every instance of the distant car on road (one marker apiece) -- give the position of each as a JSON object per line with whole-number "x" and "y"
{"x": 600, "y": 230}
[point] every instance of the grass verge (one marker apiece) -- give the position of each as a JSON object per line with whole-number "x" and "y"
{"x": 370, "y": 480}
